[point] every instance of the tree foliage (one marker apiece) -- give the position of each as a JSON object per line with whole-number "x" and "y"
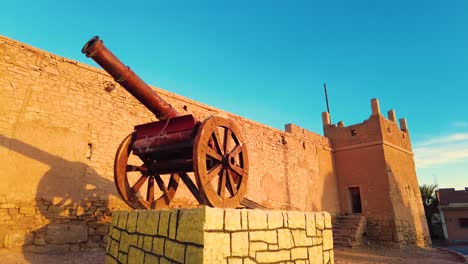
{"x": 428, "y": 194}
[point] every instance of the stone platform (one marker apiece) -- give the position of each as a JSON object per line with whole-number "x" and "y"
{"x": 214, "y": 235}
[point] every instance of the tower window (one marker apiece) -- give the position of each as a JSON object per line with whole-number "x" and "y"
{"x": 353, "y": 132}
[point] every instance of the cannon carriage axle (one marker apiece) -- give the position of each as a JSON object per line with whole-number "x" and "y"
{"x": 165, "y": 151}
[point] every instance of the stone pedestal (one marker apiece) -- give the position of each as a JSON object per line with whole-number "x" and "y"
{"x": 214, "y": 235}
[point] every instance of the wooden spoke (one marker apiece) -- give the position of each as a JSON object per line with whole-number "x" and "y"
{"x": 238, "y": 170}
{"x": 135, "y": 168}
{"x": 162, "y": 187}
{"x": 137, "y": 186}
{"x": 236, "y": 150}
{"x": 227, "y": 139}
{"x": 231, "y": 184}
{"x": 222, "y": 184}
{"x": 214, "y": 172}
{"x": 217, "y": 140}
{"x": 212, "y": 153}
{"x": 150, "y": 192}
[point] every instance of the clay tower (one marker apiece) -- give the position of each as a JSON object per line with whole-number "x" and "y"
{"x": 377, "y": 177}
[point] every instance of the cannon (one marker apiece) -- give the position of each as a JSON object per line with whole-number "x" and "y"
{"x": 168, "y": 150}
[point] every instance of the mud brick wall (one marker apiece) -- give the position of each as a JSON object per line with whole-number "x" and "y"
{"x": 61, "y": 122}
{"x": 213, "y": 235}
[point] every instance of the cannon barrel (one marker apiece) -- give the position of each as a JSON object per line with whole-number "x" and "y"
{"x": 122, "y": 74}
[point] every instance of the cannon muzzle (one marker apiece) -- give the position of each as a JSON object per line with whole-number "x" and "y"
{"x": 122, "y": 74}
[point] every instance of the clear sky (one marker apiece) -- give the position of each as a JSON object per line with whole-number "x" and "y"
{"x": 268, "y": 60}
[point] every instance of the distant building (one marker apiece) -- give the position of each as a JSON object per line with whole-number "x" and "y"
{"x": 453, "y": 208}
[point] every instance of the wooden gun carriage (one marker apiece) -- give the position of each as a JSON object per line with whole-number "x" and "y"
{"x": 167, "y": 150}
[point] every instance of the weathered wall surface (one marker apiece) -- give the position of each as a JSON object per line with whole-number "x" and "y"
{"x": 376, "y": 156}
{"x": 61, "y": 123}
{"x": 213, "y": 235}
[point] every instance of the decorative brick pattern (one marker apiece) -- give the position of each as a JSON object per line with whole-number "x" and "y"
{"x": 214, "y": 235}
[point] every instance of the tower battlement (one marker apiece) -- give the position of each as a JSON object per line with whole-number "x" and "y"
{"x": 376, "y": 129}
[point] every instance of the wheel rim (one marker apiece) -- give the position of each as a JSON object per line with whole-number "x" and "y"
{"x": 221, "y": 162}
{"x": 136, "y": 184}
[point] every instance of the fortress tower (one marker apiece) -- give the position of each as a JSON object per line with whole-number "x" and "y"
{"x": 377, "y": 176}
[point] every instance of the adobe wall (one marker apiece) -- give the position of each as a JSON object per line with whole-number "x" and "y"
{"x": 376, "y": 156}
{"x": 60, "y": 124}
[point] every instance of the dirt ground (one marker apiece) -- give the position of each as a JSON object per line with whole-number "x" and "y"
{"x": 342, "y": 256}
{"x": 371, "y": 255}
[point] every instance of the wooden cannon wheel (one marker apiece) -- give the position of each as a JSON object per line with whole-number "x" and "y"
{"x": 221, "y": 164}
{"x": 135, "y": 182}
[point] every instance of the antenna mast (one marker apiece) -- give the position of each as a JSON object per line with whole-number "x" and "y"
{"x": 326, "y": 97}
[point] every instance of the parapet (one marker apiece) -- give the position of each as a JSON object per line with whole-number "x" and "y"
{"x": 376, "y": 128}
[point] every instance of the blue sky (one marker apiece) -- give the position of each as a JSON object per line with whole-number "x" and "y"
{"x": 268, "y": 60}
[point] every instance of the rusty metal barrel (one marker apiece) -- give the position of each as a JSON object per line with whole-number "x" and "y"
{"x": 122, "y": 74}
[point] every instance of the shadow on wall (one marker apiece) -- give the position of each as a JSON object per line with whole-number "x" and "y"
{"x": 72, "y": 202}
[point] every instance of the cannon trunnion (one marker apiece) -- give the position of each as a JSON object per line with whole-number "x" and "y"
{"x": 151, "y": 161}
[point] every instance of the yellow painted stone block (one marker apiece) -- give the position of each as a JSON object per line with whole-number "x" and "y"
{"x": 191, "y": 223}
{"x": 113, "y": 249}
{"x": 232, "y": 220}
{"x": 110, "y": 260}
{"x": 269, "y": 236}
{"x": 327, "y": 239}
{"x": 315, "y": 255}
{"x": 240, "y": 243}
{"x": 147, "y": 243}
{"x": 164, "y": 216}
{"x": 151, "y": 226}
{"x": 317, "y": 240}
{"x": 115, "y": 218}
{"x": 319, "y": 221}
{"x": 257, "y": 219}
{"x": 193, "y": 254}
{"x": 164, "y": 261}
{"x": 249, "y": 261}
{"x": 296, "y": 219}
{"x": 132, "y": 221}
{"x": 285, "y": 239}
{"x": 299, "y": 253}
{"x": 244, "y": 219}
{"x": 141, "y": 222}
{"x": 136, "y": 255}
{"x": 150, "y": 258}
{"x": 275, "y": 219}
{"x": 115, "y": 234}
{"x": 122, "y": 220}
{"x": 173, "y": 223}
{"x": 158, "y": 246}
{"x": 273, "y": 247}
{"x": 127, "y": 240}
{"x": 273, "y": 256}
{"x": 255, "y": 247}
{"x": 235, "y": 261}
{"x": 217, "y": 247}
{"x": 327, "y": 220}
{"x": 310, "y": 224}
{"x": 332, "y": 257}
{"x": 174, "y": 251}
{"x": 300, "y": 238}
{"x": 214, "y": 219}
{"x": 123, "y": 258}
{"x": 326, "y": 257}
